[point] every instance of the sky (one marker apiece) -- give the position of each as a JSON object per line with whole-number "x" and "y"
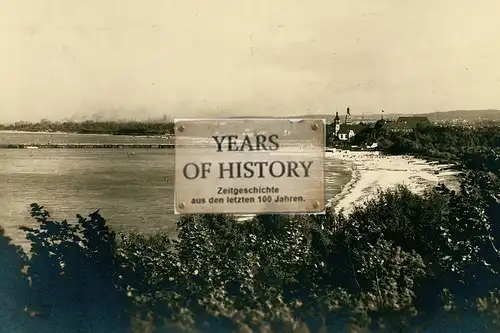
{"x": 187, "y": 58}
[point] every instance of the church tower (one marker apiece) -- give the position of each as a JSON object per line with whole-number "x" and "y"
{"x": 348, "y": 120}
{"x": 336, "y": 124}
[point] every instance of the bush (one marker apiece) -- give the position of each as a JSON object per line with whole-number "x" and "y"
{"x": 400, "y": 259}
{"x": 72, "y": 274}
{"x": 14, "y": 290}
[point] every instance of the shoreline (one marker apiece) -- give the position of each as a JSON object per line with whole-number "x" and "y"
{"x": 348, "y": 187}
{"x": 78, "y": 133}
{"x": 44, "y": 132}
{"x": 373, "y": 171}
{"x": 88, "y": 146}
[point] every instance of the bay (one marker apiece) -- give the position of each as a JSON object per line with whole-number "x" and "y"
{"x": 133, "y": 188}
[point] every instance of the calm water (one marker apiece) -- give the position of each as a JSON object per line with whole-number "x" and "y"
{"x": 133, "y": 191}
{"x": 43, "y": 138}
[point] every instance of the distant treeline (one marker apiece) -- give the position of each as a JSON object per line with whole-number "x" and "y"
{"x": 95, "y": 127}
{"x": 103, "y": 127}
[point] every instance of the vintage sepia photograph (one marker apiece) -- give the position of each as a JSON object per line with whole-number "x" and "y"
{"x": 250, "y": 166}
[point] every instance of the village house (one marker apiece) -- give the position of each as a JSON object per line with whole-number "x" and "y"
{"x": 347, "y": 130}
{"x": 406, "y": 124}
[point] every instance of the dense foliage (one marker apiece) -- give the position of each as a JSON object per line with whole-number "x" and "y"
{"x": 95, "y": 127}
{"x": 399, "y": 262}
{"x": 476, "y": 147}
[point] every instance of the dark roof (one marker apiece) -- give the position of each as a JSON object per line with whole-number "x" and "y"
{"x": 401, "y": 126}
{"x": 413, "y": 120}
{"x": 344, "y": 129}
{"x": 379, "y": 123}
{"x": 405, "y": 123}
{"x": 360, "y": 127}
{"x": 397, "y": 125}
{"x": 356, "y": 128}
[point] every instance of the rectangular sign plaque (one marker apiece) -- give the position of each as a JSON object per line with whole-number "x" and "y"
{"x": 245, "y": 166}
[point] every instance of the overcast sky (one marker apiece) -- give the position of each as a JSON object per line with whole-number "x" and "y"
{"x": 256, "y": 57}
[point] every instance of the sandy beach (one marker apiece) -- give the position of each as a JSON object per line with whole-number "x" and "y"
{"x": 372, "y": 171}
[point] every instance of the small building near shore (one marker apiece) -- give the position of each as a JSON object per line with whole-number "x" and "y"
{"x": 406, "y": 124}
{"x": 347, "y": 130}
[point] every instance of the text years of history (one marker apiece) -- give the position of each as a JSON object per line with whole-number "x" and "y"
{"x": 249, "y": 166}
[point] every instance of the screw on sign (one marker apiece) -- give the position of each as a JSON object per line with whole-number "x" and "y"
{"x": 249, "y": 166}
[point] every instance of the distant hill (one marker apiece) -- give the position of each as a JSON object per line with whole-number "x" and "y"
{"x": 469, "y": 115}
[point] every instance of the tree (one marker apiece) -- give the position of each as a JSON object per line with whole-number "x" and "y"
{"x": 72, "y": 272}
